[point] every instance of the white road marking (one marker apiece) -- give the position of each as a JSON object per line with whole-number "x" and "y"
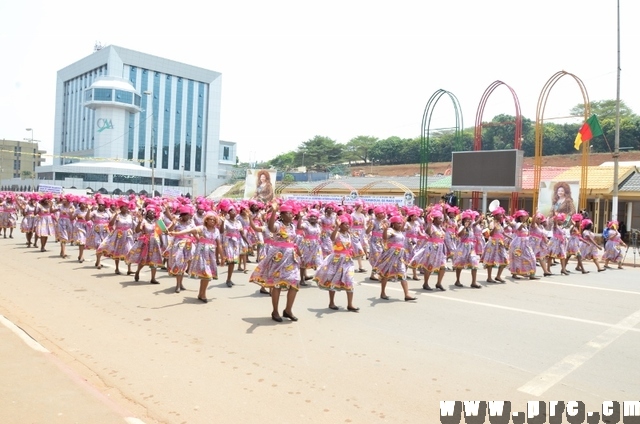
{"x": 544, "y": 381}
{"x": 133, "y": 420}
{"x": 23, "y": 335}
{"x": 509, "y": 308}
{"x": 591, "y": 287}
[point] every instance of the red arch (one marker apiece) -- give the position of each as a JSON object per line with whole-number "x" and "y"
{"x": 477, "y": 139}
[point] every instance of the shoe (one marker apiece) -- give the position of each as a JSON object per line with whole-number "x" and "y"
{"x": 362, "y": 270}
{"x": 384, "y": 296}
{"x": 547, "y": 274}
{"x": 354, "y": 309}
{"x": 533, "y": 277}
{"x": 500, "y": 280}
{"x": 374, "y": 279}
{"x": 154, "y": 282}
{"x": 415, "y": 278}
{"x": 130, "y": 272}
{"x": 182, "y": 288}
{"x": 335, "y": 308}
{"x": 118, "y": 272}
{"x": 620, "y": 267}
{"x": 276, "y": 318}
{"x": 10, "y": 236}
{"x": 490, "y": 280}
{"x": 426, "y": 287}
{"x": 302, "y": 283}
{"x": 203, "y": 299}
{"x": 308, "y": 278}
{"x": 229, "y": 284}
{"x": 407, "y": 299}
{"x": 476, "y": 286}
{"x": 439, "y": 286}
{"x": 564, "y": 273}
{"x": 81, "y": 260}
{"x": 177, "y": 289}
{"x": 264, "y": 291}
{"x": 601, "y": 269}
{"x": 458, "y": 284}
{"x": 136, "y": 277}
{"x": 607, "y": 266}
{"x": 99, "y": 266}
{"x": 290, "y": 316}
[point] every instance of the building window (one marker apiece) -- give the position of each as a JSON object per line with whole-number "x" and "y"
{"x": 102, "y": 94}
{"x": 225, "y": 153}
{"x": 124, "y": 97}
{"x": 88, "y": 95}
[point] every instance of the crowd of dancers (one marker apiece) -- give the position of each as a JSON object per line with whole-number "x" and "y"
{"x": 289, "y": 239}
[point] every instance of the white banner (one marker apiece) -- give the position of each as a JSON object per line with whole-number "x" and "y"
{"x": 348, "y": 200}
{"x": 46, "y": 188}
{"x": 171, "y": 192}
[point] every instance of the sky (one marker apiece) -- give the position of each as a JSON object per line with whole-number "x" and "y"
{"x": 292, "y": 70}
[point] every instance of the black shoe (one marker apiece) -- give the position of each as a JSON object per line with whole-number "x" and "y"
{"x": 291, "y": 317}
{"x": 426, "y": 287}
{"x": 302, "y": 283}
{"x": 276, "y": 318}
{"x": 439, "y": 287}
{"x": 264, "y": 291}
{"x": 476, "y": 286}
{"x": 409, "y": 298}
{"x": 458, "y": 284}
{"x": 203, "y": 299}
{"x": 229, "y": 283}
{"x": 354, "y": 309}
{"x": 154, "y": 282}
{"x": 335, "y": 308}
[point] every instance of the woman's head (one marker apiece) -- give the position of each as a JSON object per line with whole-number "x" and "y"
{"x": 263, "y": 177}
{"x": 561, "y": 190}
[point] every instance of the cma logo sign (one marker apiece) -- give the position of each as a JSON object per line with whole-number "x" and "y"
{"x": 104, "y": 124}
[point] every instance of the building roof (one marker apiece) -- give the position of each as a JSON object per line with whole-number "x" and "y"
{"x": 113, "y": 82}
{"x": 631, "y": 184}
{"x": 547, "y": 173}
{"x": 598, "y": 177}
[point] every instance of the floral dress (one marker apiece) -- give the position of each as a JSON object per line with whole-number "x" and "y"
{"x": 118, "y": 244}
{"x": 64, "y": 227}
{"x": 80, "y": 227}
{"x": 9, "y": 215}
{"x": 326, "y": 223}
{"x": 179, "y": 250}
{"x": 495, "y": 251}
{"x": 588, "y": 250}
{"x": 465, "y": 256}
{"x": 431, "y": 257}
{"x": 413, "y": 231}
{"x": 391, "y": 263}
{"x": 147, "y": 249}
{"x": 28, "y": 221}
{"x": 538, "y": 241}
{"x": 281, "y": 265}
{"x": 558, "y": 244}
{"x": 612, "y": 249}
{"x": 204, "y": 264}
{"x": 232, "y": 240}
{"x": 358, "y": 233}
{"x": 337, "y": 270}
{"x": 99, "y": 229}
{"x": 375, "y": 242}
{"x": 575, "y": 241}
{"x": 45, "y": 227}
{"x": 522, "y": 260}
{"x": 310, "y": 250}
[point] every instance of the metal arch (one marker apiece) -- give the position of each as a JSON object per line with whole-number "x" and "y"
{"x": 424, "y": 138}
{"x": 282, "y": 186}
{"x": 542, "y": 103}
{"x": 366, "y": 188}
{"x": 319, "y": 187}
{"x": 477, "y": 139}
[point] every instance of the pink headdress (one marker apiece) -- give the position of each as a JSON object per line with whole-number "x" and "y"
{"x": 436, "y": 213}
{"x": 585, "y": 223}
{"x": 498, "y": 211}
{"x": 576, "y": 217}
{"x": 378, "y": 209}
{"x": 520, "y": 213}
{"x": 468, "y": 214}
{"x": 344, "y": 219}
{"x": 561, "y": 217}
{"x": 612, "y": 224}
{"x": 396, "y": 219}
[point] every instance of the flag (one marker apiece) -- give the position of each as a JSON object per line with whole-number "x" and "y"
{"x": 160, "y": 227}
{"x": 589, "y": 129}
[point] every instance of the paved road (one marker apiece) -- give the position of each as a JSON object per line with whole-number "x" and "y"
{"x": 121, "y": 350}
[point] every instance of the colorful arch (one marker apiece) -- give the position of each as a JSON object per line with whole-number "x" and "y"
{"x": 369, "y": 186}
{"x": 319, "y": 187}
{"x": 542, "y": 103}
{"x": 424, "y": 138}
{"x": 477, "y": 138}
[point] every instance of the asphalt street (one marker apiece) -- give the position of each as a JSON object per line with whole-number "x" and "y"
{"x": 106, "y": 349}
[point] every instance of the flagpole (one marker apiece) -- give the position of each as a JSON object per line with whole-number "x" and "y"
{"x": 616, "y": 150}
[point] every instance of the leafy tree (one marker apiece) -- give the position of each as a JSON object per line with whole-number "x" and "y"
{"x": 26, "y": 175}
{"x": 359, "y": 148}
{"x": 284, "y": 161}
{"x": 320, "y": 152}
{"x": 604, "y": 109}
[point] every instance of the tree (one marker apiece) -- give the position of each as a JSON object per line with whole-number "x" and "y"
{"x": 359, "y": 148}
{"x": 319, "y": 152}
{"x": 26, "y": 175}
{"x": 604, "y": 109}
{"x": 284, "y": 161}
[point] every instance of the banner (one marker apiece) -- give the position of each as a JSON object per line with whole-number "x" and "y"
{"x": 558, "y": 197}
{"x": 46, "y": 188}
{"x": 171, "y": 192}
{"x": 259, "y": 184}
{"x": 348, "y": 200}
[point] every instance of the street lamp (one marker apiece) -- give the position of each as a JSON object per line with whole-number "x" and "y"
{"x": 152, "y": 155}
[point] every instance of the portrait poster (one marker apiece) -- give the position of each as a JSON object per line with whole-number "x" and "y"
{"x": 558, "y": 197}
{"x": 260, "y": 185}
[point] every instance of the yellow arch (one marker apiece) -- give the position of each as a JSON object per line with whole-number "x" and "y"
{"x": 366, "y": 188}
{"x": 542, "y": 103}
{"x": 319, "y": 187}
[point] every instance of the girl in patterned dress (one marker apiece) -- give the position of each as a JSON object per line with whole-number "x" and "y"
{"x": 45, "y": 227}
{"x": 374, "y": 230}
{"x": 412, "y": 233}
{"x": 358, "y": 232}
{"x": 558, "y": 243}
{"x": 522, "y": 260}
{"x": 327, "y": 223}
{"x": 80, "y": 227}
{"x": 246, "y": 245}
{"x": 28, "y": 220}
{"x": 450, "y": 226}
{"x": 613, "y": 246}
{"x": 207, "y": 254}
{"x": 589, "y": 248}
{"x": 280, "y": 268}
{"x": 232, "y": 234}
{"x": 147, "y": 249}
{"x": 336, "y": 271}
{"x": 575, "y": 241}
{"x": 391, "y": 263}
{"x": 260, "y": 230}
{"x": 478, "y": 233}
{"x": 179, "y": 252}
{"x": 9, "y": 215}
{"x": 64, "y": 227}
{"x": 119, "y": 242}
{"x": 99, "y": 218}
{"x": 495, "y": 251}
{"x": 310, "y": 250}
{"x": 431, "y": 258}
{"x": 465, "y": 256}
{"x": 539, "y": 242}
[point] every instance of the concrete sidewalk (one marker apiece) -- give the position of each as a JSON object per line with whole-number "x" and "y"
{"x": 38, "y": 388}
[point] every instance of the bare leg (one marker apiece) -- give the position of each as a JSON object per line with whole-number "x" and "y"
{"x": 383, "y": 286}
{"x": 440, "y": 277}
{"x": 405, "y": 288}
{"x": 425, "y": 285}
{"x": 288, "y": 310}
{"x": 458, "y": 272}
{"x": 230, "y": 266}
{"x": 81, "y": 253}
{"x": 117, "y": 266}
{"x": 499, "y": 276}
{"x": 489, "y": 271}
{"x": 332, "y": 297}
{"x": 275, "y": 299}
{"x": 43, "y": 243}
{"x": 202, "y": 293}
{"x": 153, "y": 274}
